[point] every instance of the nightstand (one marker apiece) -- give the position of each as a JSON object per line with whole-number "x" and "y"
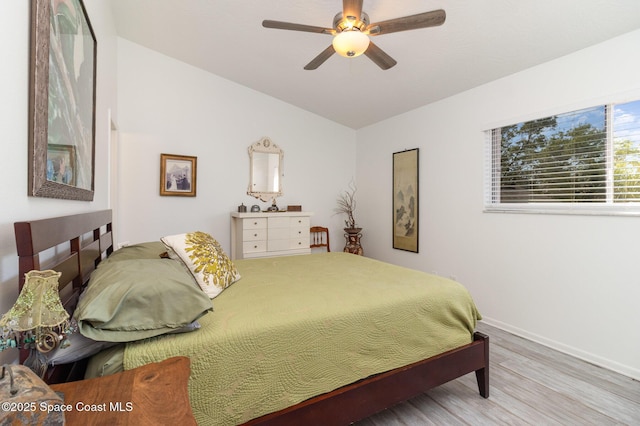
{"x": 153, "y": 394}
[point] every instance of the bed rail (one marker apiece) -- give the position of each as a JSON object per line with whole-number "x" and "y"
{"x": 371, "y": 395}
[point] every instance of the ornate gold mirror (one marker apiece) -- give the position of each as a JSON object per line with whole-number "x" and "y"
{"x": 266, "y": 162}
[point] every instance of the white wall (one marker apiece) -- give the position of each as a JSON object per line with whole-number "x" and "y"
{"x": 14, "y": 87}
{"x": 567, "y": 281}
{"x": 167, "y": 106}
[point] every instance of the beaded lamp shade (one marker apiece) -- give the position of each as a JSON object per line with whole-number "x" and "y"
{"x": 37, "y": 320}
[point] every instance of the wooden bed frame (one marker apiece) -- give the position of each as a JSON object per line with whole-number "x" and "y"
{"x": 88, "y": 238}
{"x": 83, "y": 240}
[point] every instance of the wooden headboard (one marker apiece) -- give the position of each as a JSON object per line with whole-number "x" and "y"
{"x": 73, "y": 245}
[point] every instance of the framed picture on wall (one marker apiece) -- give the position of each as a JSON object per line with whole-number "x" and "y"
{"x": 62, "y": 93}
{"x": 405, "y": 200}
{"x": 178, "y": 175}
{"x": 61, "y": 164}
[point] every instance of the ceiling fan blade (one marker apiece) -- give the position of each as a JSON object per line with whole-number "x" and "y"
{"x": 378, "y": 56}
{"x": 319, "y": 60}
{"x": 352, "y": 8}
{"x": 413, "y": 22}
{"x": 279, "y": 25}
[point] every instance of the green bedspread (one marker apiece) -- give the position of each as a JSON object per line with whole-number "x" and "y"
{"x": 295, "y": 327}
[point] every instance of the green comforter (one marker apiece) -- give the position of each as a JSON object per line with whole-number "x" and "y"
{"x": 295, "y": 327}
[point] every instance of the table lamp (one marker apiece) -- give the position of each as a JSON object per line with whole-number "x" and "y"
{"x": 37, "y": 321}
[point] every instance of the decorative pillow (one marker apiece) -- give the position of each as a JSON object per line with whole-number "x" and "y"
{"x": 131, "y": 300}
{"x": 209, "y": 264}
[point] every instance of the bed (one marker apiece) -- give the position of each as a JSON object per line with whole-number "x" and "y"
{"x": 288, "y": 376}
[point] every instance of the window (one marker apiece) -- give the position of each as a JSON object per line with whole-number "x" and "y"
{"x": 581, "y": 161}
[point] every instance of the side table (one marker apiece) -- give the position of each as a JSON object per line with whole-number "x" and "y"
{"x": 153, "y": 394}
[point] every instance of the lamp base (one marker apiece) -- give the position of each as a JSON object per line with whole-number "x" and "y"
{"x": 37, "y": 362}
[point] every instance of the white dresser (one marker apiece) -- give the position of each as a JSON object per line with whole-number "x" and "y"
{"x": 269, "y": 234}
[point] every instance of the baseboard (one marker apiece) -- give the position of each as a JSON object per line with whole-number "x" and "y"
{"x": 628, "y": 371}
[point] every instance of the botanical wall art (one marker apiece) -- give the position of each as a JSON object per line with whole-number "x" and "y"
{"x": 405, "y": 200}
{"x": 62, "y": 101}
{"x": 178, "y": 175}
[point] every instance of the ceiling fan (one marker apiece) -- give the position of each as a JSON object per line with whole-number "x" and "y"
{"x": 351, "y": 31}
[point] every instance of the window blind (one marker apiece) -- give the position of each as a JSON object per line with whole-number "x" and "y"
{"x": 585, "y": 157}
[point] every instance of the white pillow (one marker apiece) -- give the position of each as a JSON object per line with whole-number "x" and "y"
{"x": 205, "y": 259}
{"x": 80, "y": 347}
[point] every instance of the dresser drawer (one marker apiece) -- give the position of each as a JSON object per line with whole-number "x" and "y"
{"x": 255, "y": 246}
{"x": 254, "y": 234}
{"x": 257, "y": 223}
{"x": 298, "y": 243}
{"x": 300, "y": 222}
{"x": 299, "y": 233}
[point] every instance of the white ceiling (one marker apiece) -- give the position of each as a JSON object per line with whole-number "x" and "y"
{"x": 481, "y": 40}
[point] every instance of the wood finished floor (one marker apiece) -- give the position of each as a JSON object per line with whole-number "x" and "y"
{"x": 530, "y": 385}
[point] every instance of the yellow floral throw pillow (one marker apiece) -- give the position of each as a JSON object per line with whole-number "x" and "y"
{"x": 204, "y": 257}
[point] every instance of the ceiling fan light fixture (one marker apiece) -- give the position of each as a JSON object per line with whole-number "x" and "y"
{"x": 350, "y": 43}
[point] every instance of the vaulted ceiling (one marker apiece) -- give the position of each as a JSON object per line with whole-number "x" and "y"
{"x": 480, "y": 41}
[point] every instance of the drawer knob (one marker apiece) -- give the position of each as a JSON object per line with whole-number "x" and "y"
{"x": 255, "y": 235}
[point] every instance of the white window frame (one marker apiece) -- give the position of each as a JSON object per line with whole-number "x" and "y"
{"x": 492, "y": 175}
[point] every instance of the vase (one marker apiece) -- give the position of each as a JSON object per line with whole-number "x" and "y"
{"x": 353, "y": 235}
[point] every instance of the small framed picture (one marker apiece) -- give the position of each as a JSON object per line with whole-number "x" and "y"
{"x": 178, "y": 175}
{"x": 61, "y": 164}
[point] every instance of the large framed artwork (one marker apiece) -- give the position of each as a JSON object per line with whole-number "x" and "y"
{"x": 178, "y": 175}
{"x": 62, "y": 93}
{"x": 405, "y": 200}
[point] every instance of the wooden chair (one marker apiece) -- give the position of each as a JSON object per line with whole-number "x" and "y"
{"x": 320, "y": 237}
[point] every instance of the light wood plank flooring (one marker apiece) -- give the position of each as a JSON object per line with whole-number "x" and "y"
{"x": 530, "y": 384}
